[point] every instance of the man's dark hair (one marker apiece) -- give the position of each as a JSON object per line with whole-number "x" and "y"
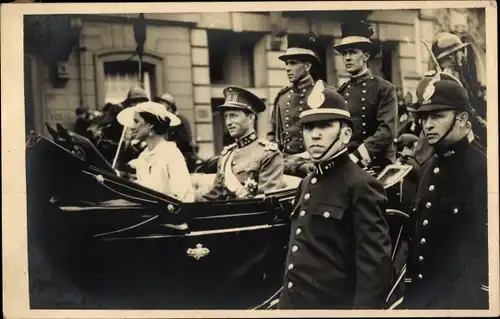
{"x": 160, "y": 127}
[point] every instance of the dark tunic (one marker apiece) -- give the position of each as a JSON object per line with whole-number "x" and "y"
{"x": 339, "y": 254}
{"x": 448, "y": 263}
{"x": 372, "y": 103}
{"x": 288, "y": 105}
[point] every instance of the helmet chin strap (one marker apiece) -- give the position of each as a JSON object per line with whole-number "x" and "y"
{"x": 448, "y": 131}
{"x": 322, "y": 157}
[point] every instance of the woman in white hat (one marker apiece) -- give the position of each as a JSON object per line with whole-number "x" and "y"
{"x": 161, "y": 165}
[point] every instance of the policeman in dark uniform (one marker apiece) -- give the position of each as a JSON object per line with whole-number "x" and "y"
{"x": 371, "y": 99}
{"x": 339, "y": 253}
{"x": 448, "y": 263}
{"x": 300, "y": 58}
{"x": 250, "y": 166}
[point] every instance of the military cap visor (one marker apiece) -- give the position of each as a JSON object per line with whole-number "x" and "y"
{"x": 241, "y": 99}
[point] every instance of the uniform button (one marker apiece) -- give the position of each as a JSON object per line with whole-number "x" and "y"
{"x": 363, "y": 108}
{"x": 425, "y": 222}
{"x": 302, "y": 213}
{"x": 436, "y": 170}
{"x": 428, "y": 205}
{"x": 326, "y": 214}
{"x": 300, "y": 109}
{"x": 363, "y": 116}
{"x": 423, "y": 241}
{"x": 302, "y": 95}
{"x": 363, "y": 99}
{"x": 287, "y": 110}
{"x": 290, "y": 284}
{"x": 364, "y": 91}
{"x": 307, "y": 196}
{"x": 364, "y": 124}
{"x": 364, "y": 84}
{"x": 431, "y": 188}
{"x": 349, "y": 86}
{"x": 234, "y": 163}
{"x": 301, "y": 102}
{"x": 303, "y": 90}
{"x": 298, "y": 231}
{"x": 420, "y": 258}
{"x": 347, "y": 94}
{"x": 287, "y": 125}
{"x": 364, "y": 133}
{"x": 420, "y": 276}
{"x": 455, "y": 211}
{"x": 314, "y": 180}
{"x": 290, "y": 267}
{"x": 287, "y": 103}
{"x": 371, "y": 78}
{"x": 295, "y": 248}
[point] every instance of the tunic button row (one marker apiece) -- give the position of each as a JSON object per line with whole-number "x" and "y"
{"x": 295, "y": 248}
{"x": 298, "y": 231}
{"x": 428, "y": 205}
{"x": 314, "y": 180}
{"x": 431, "y": 188}
{"x": 307, "y": 196}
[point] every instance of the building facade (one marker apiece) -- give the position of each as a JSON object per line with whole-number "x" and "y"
{"x": 195, "y": 55}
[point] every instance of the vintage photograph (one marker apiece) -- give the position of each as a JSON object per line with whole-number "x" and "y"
{"x": 330, "y": 159}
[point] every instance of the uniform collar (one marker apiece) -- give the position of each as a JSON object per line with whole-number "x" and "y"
{"x": 303, "y": 83}
{"x": 246, "y": 140}
{"x": 338, "y": 160}
{"x": 365, "y": 75}
{"x": 449, "y": 151}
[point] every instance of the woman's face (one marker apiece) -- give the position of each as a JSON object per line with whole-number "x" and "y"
{"x": 142, "y": 129}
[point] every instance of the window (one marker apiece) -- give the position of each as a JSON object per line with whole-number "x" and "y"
{"x": 120, "y": 76}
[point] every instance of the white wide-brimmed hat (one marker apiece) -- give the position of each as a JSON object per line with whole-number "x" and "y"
{"x": 126, "y": 117}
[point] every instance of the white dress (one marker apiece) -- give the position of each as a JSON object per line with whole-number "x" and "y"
{"x": 164, "y": 170}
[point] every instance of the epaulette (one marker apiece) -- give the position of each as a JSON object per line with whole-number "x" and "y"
{"x": 268, "y": 145}
{"x": 227, "y": 149}
{"x": 280, "y": 93}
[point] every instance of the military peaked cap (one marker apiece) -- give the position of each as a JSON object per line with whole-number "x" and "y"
{"x": 241, "y": 99}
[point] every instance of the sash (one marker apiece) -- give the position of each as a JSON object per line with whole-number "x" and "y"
{"x": 230, "y": 180}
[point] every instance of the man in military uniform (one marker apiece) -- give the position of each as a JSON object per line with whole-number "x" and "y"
{"x": 339, "y": 253}
{"x": 299, "y": 58}
{"x": 250, "y": 166}
{"x": 448, "y": 261}
{"x": 371, "y": 99}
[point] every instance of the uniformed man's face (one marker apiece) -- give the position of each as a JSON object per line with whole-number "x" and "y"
{"x": 319, "y": 136}
{"x": 354, "y": 60}
{"x": 297, "y": 70}
{"x": 238, "y": 123}
{"x": 436, "y": 124}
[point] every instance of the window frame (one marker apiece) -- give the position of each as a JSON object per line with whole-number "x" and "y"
{"x": 117, "y": 55}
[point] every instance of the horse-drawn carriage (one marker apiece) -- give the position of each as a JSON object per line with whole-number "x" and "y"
{"x": 137, "y": 248}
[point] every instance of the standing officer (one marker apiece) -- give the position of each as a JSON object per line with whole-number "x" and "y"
{"x": 300, "y": 58}
{"x": 448, "y": 262}
{"x": 339, "y": 253}
{"x": 371, "y": 99}
{"x": 250, "y": 166}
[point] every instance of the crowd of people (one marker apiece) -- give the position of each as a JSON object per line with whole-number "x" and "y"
{"x": 337, "y": 139}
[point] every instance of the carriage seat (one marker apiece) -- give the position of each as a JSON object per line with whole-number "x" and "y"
{"x": 202, "y": 183}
